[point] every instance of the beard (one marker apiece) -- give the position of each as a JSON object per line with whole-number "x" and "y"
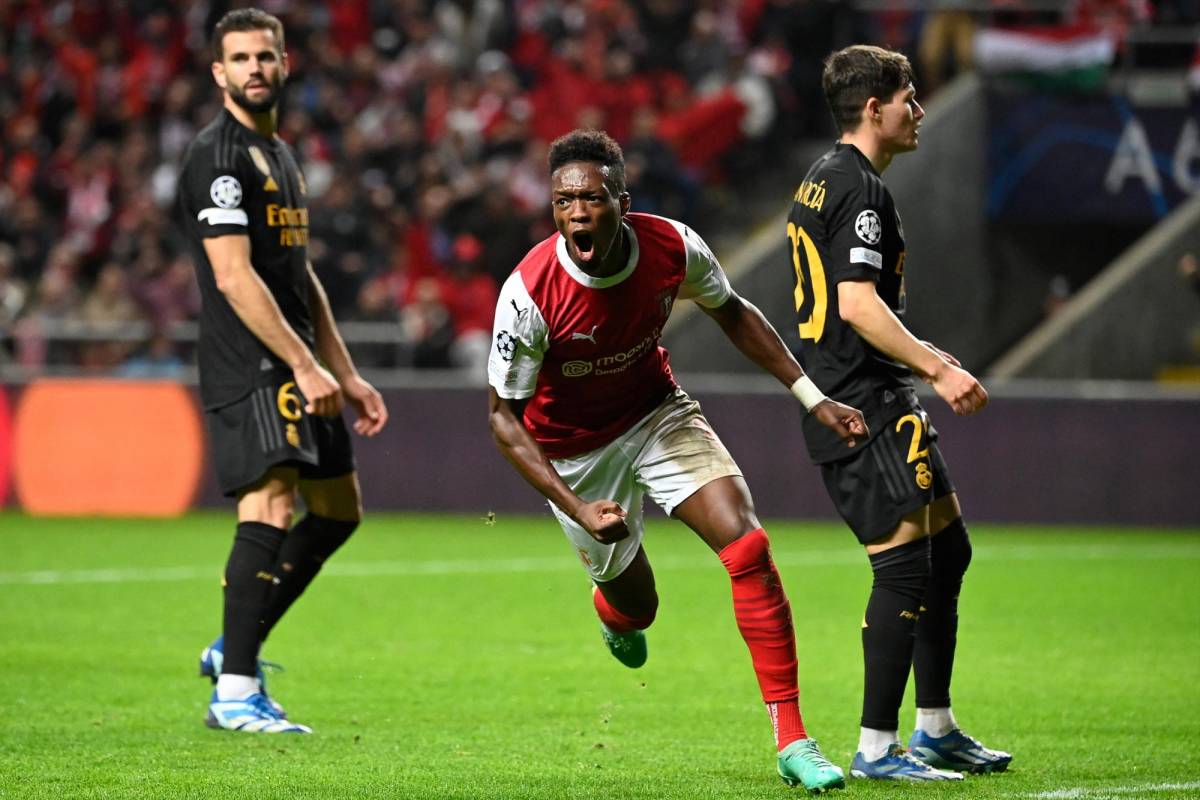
{"x": 262, "y": 105}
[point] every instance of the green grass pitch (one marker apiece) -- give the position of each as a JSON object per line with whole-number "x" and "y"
{"x": 445, "y": 657}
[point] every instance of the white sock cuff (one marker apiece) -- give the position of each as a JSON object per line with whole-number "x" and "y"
{"x": 236, "y": 687}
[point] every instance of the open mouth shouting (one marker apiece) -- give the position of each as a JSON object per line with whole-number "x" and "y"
{"x": 585, "y": 244}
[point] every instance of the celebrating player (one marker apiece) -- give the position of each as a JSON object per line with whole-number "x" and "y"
{"x": 274, "y": 372}
{"x": 583, "y": 404}
{"x": 847, "y": 252}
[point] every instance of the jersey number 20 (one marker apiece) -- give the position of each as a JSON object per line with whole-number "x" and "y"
{"x": 813, "y": 326}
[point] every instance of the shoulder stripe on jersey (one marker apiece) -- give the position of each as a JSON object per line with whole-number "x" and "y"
{"x": 872, "y": 189}
{"x": 222, "y": 149}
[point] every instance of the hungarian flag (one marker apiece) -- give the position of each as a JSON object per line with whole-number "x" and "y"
{"x": 1076, "y": 56}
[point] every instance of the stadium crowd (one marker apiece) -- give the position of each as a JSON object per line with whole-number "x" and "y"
{"x": 422, "y": 128}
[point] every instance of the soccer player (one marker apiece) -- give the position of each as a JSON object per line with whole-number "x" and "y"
{"x": 274, "y": 372}
{"x": 895, "y": 493}
{"x": 583, "y": 404}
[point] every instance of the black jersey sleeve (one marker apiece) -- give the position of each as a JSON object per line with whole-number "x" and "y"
{"x": 856, "y": 235}
{"x": 213, "y": 194}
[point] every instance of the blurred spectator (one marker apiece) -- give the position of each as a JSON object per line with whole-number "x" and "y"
{"x": 947, "y": 42}
{"x": 13, "y": 293}
{"x": 53, "y": 309}
{"x": 427, "y": 325}
{"x": 1058, "y": 294}
{"x": 469, "y": 295}
{"x": 156, "y": 359}
{"x": 109, "y": 307}
{"x": 1189, "y": 272}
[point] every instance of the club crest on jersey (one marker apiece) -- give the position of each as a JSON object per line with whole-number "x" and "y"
{"x": 665, "y": 301}
{"x": 867, "y": 227}
{"x": 260, "y": 161}
{"x": 506, "y": 345}
{"x": 226, "y": 192}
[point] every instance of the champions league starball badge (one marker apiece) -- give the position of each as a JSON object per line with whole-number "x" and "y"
{"x": 226, "y": 192}
{"x": 506, "y": 345}
{"x": 867, "y": 227}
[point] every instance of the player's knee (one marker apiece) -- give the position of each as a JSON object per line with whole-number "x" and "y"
{"x": 272, "y": 503}
{"x": 747, "y": 554}
{"x": 950, "y": 552}
{"x": 905, "y": 569}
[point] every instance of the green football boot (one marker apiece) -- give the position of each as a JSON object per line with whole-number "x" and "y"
{"x": 802, "y": 762}
{"x": 628, "y": 648}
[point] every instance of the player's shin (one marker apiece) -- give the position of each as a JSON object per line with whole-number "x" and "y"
{"x": 764, "y": 617}
{"x": 937, "y": 629}
{"x": 901, "y": 577}
{"x": 304, "y": 551}
{"x": 248, "y": 581}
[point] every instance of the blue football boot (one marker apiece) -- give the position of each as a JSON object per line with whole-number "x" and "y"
{"x": 251, "y": 715}
{"x": 956, "y": 750}
{"x": 899, "y": 765}
{"x": 213, "y": 657}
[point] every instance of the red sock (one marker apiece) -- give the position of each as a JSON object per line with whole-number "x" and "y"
{"x": 786, "y": 722}
{"x": 764, "y": 617}
{"x": 615, "y": 620}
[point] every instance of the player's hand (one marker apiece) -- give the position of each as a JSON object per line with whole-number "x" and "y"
{"x": 322, "y": 395}
{"x": 604, "y": 520}
{"x": 847, "y": 422}
{"x": 959, "y": 389}
{"x": 945, "y": 356}
{"x": 371, "y": 413}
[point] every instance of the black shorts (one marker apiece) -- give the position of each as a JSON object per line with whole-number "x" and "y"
{"x": 898, "y": 472}
{"x": 269, "y": 428}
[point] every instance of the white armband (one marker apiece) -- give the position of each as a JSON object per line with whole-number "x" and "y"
{"x": 807, "y": 392}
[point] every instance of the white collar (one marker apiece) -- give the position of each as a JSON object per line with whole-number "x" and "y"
{"x": 564, "y": 260}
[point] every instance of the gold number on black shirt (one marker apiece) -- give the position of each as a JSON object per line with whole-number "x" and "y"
{"x": 814, "y": 326}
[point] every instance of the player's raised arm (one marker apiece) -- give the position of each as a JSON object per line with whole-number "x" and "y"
{"x": 603, "y": 519}
{"x": 368, "y": 404}
{"x": 758, "y": 340}
{"x": 252, "y": 301}
{"x": 861, "y": 307}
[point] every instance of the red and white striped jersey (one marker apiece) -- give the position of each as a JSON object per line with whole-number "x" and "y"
{"x": 586, "y": 349}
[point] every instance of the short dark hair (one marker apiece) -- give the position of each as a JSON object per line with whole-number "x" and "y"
{"x": 245, "y": 19}
{"x": 596, "y": 147}
{"x": 856, "y": 74}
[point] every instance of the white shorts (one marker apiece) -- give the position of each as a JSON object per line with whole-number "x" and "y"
{"x": 670, "y": 454}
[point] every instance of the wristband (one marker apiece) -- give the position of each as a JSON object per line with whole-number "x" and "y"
{"x": 807, "y": 392}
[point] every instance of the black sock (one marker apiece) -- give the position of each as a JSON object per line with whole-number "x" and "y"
{"x": 901, "y": 576}
{"x": 311, "y": 541}
{"x": 248, "y": 580}
{"x": 937, "y": 630}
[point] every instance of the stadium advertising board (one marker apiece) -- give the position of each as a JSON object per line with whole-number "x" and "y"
{"x": 106, "y": 447}
{"x": 1055, "y": 158}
